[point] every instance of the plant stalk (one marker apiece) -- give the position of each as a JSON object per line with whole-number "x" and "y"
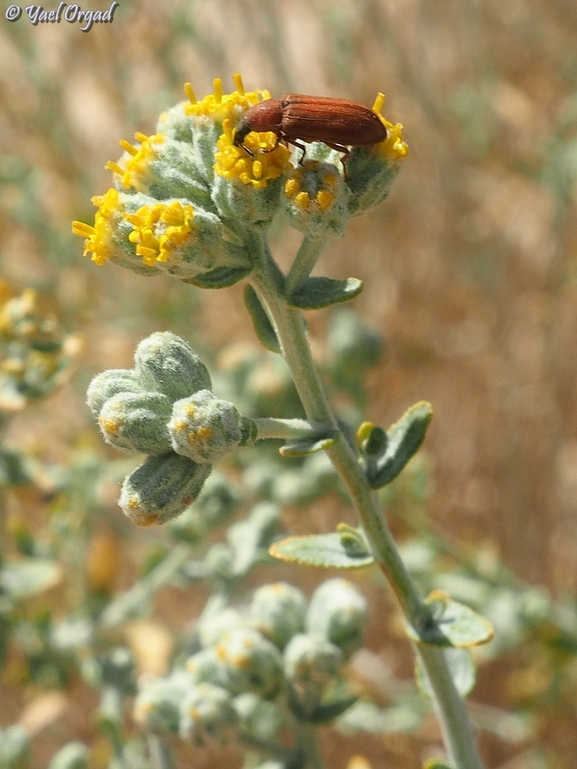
{"x": 269, "y": 284}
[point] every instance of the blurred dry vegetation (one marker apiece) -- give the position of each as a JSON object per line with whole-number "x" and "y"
{"x": 469, "y": 268}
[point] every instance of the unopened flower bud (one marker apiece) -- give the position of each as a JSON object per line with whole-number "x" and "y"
{"x": 311, "y": 661}
{"x": 316, "y": 200}
{"x": 260, "y": 662}
{"x": 137, "y": 422}
{"x": 161, "y": 488}
{"x": 278, "y": 611}
{"x": 205, "y": 428}
{"x": 338, "y": 612}
{"x": 176, "y": 370}
{"x": 14, "y": 747}
{"x": 71, "y": 756}
{"x": 157, "y": 705}
{"x": 207, "y": 712}
{"x": 260, "y": 719}
{"x": 110, "y": 383}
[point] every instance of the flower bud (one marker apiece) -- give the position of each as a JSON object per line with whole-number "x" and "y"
{"x": 136, "y": 422}
{"x": 259, "y": 719}
{"x": 209, "y": 667}
{"x": 169, "y": 362}
{"x": 71, "y": 756}
{"x": 110, "y": 383}
{"x": 14, "y": 747}
{"x": 205, "y": 428}
{"x": 207, "y": 712}
{"x": 278, "y": 612}
{"x": 371, "y": 170}
{"x": 316, "y": 200}
{"x": 338, "y": 612}
{"x": 312, "y": 662}
{"x": 212, "y": 626}
{"x": 157, "y": 705}
{"x": 161, "y": 488}
{"x": 260, "y": 662}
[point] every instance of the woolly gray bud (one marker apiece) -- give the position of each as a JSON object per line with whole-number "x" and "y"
{"x": 161, "y": 488}
{"x": 172, "y": 365}
{"x": 204, "y": 427}
{"x": 338, "y": 612}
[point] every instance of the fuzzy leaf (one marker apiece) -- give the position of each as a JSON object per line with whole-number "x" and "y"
{"x": 306, "y": 446}
{"x": 461, "y": 667}
{"x": 451, "y": 623}
{"x": 332, "y": 550}
{"x": 260, "y": 320}
{"x": 404, "y": 439}
{"x": 29, "y": 577}
{"x": 221, "y": 277}
{"x": 319, "y": 292}
{"x": 326, "y": 713}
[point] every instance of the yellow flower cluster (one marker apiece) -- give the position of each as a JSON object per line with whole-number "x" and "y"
{"x": 394, "y": 147}
{"x": 321, "y": 192}
{"x": 98, "y": 238}
{"x": 216, "y": 107}
{"x": 159, "y": 229}
{"x": 135, "y": 167}
{"x": 270, "y": 160}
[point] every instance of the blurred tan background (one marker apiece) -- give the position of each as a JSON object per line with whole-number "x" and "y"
{"x": 469, "y": 267}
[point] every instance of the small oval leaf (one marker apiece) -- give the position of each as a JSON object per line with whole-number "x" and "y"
{"x": 327, "y": 712}
{"x": 262, "y": 326}
{"x": 450, "y": 623}
{"x": 461, "y": 668}
{"x": 316, "y": 293}
{"x": 404, "y": 439}
{"x": 306, "y": 446}
{"x": 324, "y": 550}
{"x": 221, "y": 277}
{"x": 29, "y": 577}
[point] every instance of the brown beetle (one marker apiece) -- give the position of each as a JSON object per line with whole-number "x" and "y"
{"x": 339, "y": 123}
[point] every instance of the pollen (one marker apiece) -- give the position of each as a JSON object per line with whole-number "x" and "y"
{"x": 218, "y": 105}
{"x": 135, "y": 166}
{"x": 269, "y": 160}
{"x": 393, "y": 147}
{"x": 159, "y": 229}
{"x": 98, "y": 238}
{"x": 312, "y": 187}
{"x": 199, "y": 435}
{"x": 110, "y": 426}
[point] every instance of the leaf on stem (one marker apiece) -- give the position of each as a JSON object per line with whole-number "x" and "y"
{"x": 336, "y": 550}
{"x": 461, "y": 668}
{"x": 302, "y": 447}
{"x": 221, "y": 277}
{"x": 450, "y": 623}
{"x": 260, "y": 320}
{"x": 319, "y": 292}
{"x": 404, "y": 439}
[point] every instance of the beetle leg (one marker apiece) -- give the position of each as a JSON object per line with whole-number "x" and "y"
{"x": 345, "y": 153}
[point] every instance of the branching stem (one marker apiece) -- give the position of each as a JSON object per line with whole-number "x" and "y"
{"x": 269, "y": 283}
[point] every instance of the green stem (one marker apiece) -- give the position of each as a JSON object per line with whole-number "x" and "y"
{"x": 305, "y": 259}
{"x": 130, "y": 603}
{"x": 268, "y": 282}
{"x": 160, "y": 753}
{"x": 268, "y": 427}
